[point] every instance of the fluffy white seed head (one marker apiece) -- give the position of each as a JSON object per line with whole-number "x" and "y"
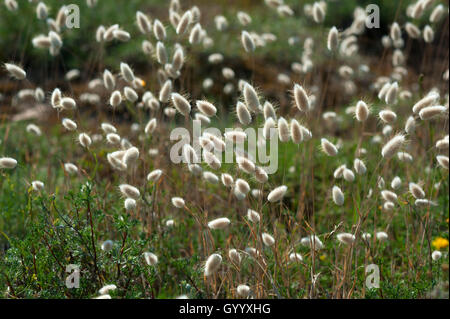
{"x": 348, "y": 175}
{"x": 121, "y": 35}
{"x": 195, "y": 35}
{"x": 428, "y": 34}
{"x": 242, "y": 186}
{"x": 269, "y": 129}
{"x": 184, "y": 22}
{"x": 283, "y": 130}
{"x": 442, "y": 161}
{"x": 296, "y": 132}
{"x": 7, "y": 162}
{"x": 15, "y": 71}
{"x": 391, "y": 94}
{"x": 37, "y": 185}
{"x": 234, "y": 256}
{"x": 227, "y": 180}
{"x": 39, "y": 94}
{"x": 67, "y": 103}
{"x": 301, "y": 98}
{"x": 443, "y": 144}
{"x": 106, "y": 289}
{"x": 346, "y": 238}
{"x": 109, "y": 80}
{"x": 359, "y": 166}
{"x": 151, "y": 126}
{"x": 206, "y": 108}
{"x": 261, "y": 175}
{"x": 269, "y": 111}
{"x": 387, "y": 116}
{"x": 318, "y": 12}
{"x": 421, "y": 202}
{"x": 277, "y": 194}
{"x": 412, "y": 30}
{"x": 253, "y": 216}
{"x": 437, "y": 13}
{"x": 338, "y": 172}
{"x": 181, "y": 104}
{"x": 243, "y": 114}
{"x": 410, "y": 125}
{"x": 416, "y": 190}
{"x": 127, "y": 72}
{"x": 306, "y": 134}
{"x": 392, "y": 146}
{"x": 383, "y": 91}
{"x": 143, "y": 22}
{"x": 69, "y": 168}
{"x": 211, "y": 177}
{"x": 166, "y": 91}
{"x": 382, "y": 236}
{"x": 333, "y": 39}
{"x": 361, "y": 111}
{"x": 178, "y": 59}
{"x": 41, "y": 41}
{"x": 430, "y": 112}
{"x": 251, "y": 98}
{"x": 428, "y": 100}
{"x": 158, "y": 30}
{"x": 115, "y": 99}
{"x": 150, "y": 258}
{"x": 85, "y": 140}
{"x": 389, "y": 196}
{"x": 244, "y": 18}
{"x": 131, "y": 156}
{"x": 130, "y": 204}
{"x": 100, "y": 33}
{"x": 154, "y": 175}
{"x": 245, "y": 164}
{"x": 108, "y": 128}
{"x": 312, "y": 242}
{"x": 41, "y": 11}
{"x": 436, "y": 255}
{"x": 129, "y": 191}
{"x": 328, "y": 148}
{"x": 243, "y": 291}
{"x": 247, "y": 41}
{"x": 338, "y": 196}
{"x": 34, "y": 129}
{"x": 161, "y": 53}
{"x": 178, "y": 202}
{"x": 396, "y": 183}
{"x": 396, "y": 32}
{"x": 295, "y": 258}
{"x": 219, "y": 223}
{"x": 212, "y": 264}
{"x": 268, "y": 239}
{"x": 130, "y": 94}
{"x": 69, "y": 124}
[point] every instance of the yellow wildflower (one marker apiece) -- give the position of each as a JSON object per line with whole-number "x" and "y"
{"x": 440, "y": 243}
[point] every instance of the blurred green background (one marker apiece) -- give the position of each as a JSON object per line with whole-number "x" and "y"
{"x": 18, "y": 28}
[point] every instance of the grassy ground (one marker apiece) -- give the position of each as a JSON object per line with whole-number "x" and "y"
{"x": 68, "y": 221}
